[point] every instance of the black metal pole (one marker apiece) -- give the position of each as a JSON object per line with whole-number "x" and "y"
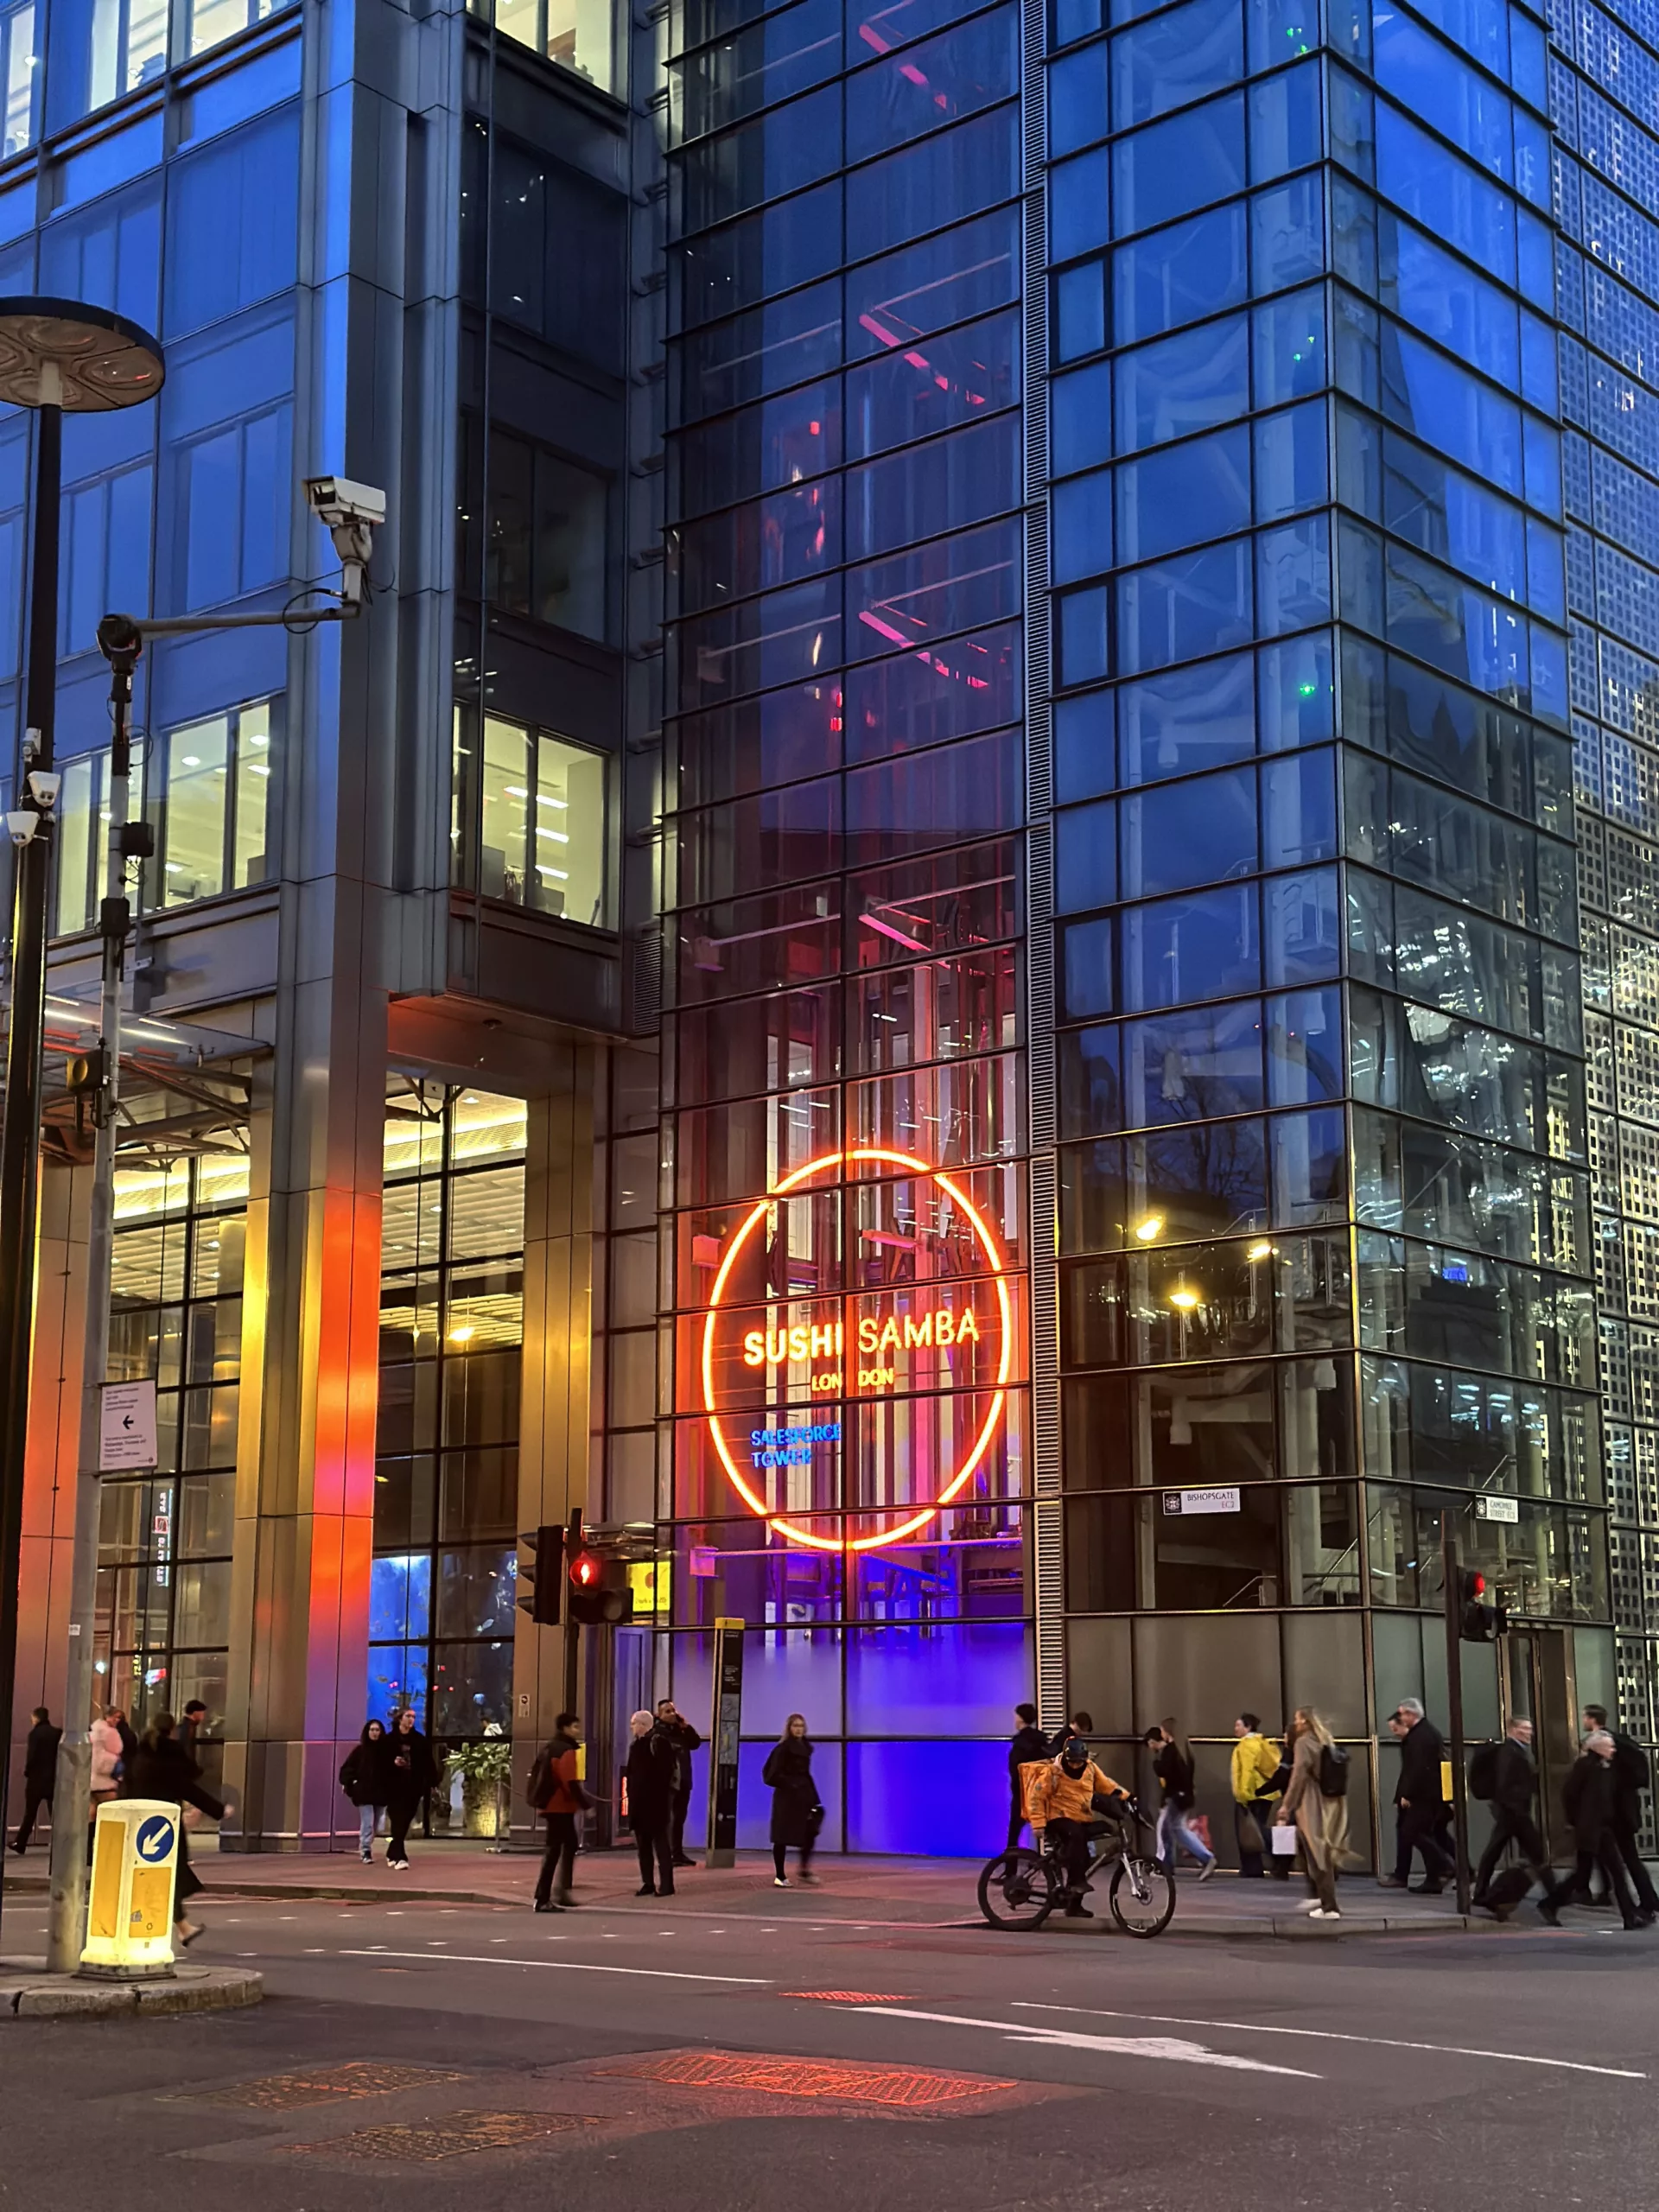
{"x": 20, "y": 1141}
{"x": 1454, "y": 1705}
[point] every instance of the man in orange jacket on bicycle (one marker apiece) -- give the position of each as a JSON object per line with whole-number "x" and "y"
{"x": 1060, "y": 1801}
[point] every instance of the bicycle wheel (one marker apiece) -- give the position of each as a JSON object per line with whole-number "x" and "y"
{"x": 1017, "y": 1889}
{"x": 1143, "y": 1896}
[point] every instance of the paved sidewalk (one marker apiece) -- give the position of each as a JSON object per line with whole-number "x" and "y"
{"x": 908, "y": 1892}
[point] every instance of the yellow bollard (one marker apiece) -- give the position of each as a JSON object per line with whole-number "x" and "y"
{"x": 129, "y": 1908}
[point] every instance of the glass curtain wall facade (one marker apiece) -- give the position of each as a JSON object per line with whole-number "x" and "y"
{"x": 1604, "y": 105}
{"x": 445, "y": 1478}
{"x": 848, "y": 1464}
{"x": 163, "y": 1631}
{"x": 1326, "y": 1212}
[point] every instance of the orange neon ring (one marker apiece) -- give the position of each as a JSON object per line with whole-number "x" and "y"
{"x": 982, "y": 1443}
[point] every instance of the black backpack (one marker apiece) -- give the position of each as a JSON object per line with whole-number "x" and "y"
{"x": 542, "y": 1784}
{"x": 1482, "y": 1772}
{"x": 1333, "y": 1771}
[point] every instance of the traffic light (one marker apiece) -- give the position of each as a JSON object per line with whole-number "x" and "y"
{"x": 599, "y": 1592}
{"x": 1478, "y": 1622}
{"x": 541, "y": 1556}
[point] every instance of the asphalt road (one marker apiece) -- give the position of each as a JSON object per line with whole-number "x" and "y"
{"x": 675, "y": 2056}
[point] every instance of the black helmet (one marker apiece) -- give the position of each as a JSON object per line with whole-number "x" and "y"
{"x": 1075, "y": 1755}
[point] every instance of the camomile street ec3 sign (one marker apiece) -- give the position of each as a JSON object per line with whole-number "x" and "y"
{"x": 814, "y": 1356}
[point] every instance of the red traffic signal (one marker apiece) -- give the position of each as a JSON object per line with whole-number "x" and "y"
{"x": 1477, "y": 1622}
{"x": 586, "y": 1571}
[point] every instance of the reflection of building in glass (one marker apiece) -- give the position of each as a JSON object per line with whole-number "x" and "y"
{"x": 986, "y": 859}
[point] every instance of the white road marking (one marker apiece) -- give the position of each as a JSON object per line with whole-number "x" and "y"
{"x": 579, "y": 1966}
{"x": 1332, "y": 2035}
{"x": 1173, "y": 2048}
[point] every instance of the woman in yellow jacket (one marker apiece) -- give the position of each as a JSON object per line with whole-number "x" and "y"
{"x": 1256, "y": 1762}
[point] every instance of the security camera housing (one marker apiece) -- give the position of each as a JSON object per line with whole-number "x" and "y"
{"x": 21, "y": 824}
{"x": 43, "y": 787}
{"x": 336, "y": 499}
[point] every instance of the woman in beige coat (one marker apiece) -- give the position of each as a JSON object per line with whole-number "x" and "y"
{"x": 1305, "y": 1804}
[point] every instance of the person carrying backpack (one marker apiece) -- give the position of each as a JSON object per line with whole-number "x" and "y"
{"x": 1630, "y": 1778}
{"x": 1505, "y": 1776}
{"x": 1316, "y": 1800}
{"x": 362, "y": 1777}
{"x": 555, "y": 1792}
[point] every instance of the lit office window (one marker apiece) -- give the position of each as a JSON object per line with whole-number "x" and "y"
{"x": 213, "y": 804}
{"x": 540, "y": 815}
{"x": 129, "y": 47}
{"x": 576, "y": 33}
{"x": 214, "y": 20}
{"x": 19, "y": 74}
{"x": 83, "y": 837}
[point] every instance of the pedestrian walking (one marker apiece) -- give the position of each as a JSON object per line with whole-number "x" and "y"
{"x": 686, "y": 1740}
{"x": 1172, "y": 1764}
{"x": 364, "y": 1777}
{"x": 1029, "y": 1745}
{"x": 105, "y": 1778}
{"x": 1321, "y": 1820}
{"x": 39, "y": 1774}
{"x": 124, "y": 1730}
{"x": 796, "y": 1808}
{"x": 1420, "y": 1794}
{"x": 1631, "y": 1774}
{"x": 1255, "y": 1786}
{"x": 1080, "y": 1723}
{"x": 1591, "y": 1799}
{"x": 411, "y": 1770}
{"x": 651, "y": 1771}
{"x": 161, "y": 1767}
{"x": 1506, "y": 1776}
{"x": 557, "y": 1794}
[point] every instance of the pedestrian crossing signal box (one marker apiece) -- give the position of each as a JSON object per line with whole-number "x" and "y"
{"x": 130, "y": 1905}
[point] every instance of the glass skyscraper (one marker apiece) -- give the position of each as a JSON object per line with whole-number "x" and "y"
{"x": 969, "y": 934}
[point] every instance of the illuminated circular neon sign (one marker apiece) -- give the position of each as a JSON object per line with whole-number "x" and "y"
{"x": 944, "y": 1326}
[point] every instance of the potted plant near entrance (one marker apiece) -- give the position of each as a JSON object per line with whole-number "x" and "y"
{"x": 485, "y": 1769}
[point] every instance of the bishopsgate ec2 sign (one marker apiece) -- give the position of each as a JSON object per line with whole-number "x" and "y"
{"x": 816, "y": 1356}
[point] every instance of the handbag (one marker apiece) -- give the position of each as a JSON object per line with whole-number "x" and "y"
{"x": 1250, "y": 1837}
{"x": 1199, "y": 1824}
{"x": 1284, "y": 1842}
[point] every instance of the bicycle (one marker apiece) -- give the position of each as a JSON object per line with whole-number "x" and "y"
{"x": 1019, "y": 1888}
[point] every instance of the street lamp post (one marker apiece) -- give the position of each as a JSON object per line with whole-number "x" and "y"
{"x": 56, "y": 356}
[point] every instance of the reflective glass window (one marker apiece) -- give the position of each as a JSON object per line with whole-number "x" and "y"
{"x": 1449, "y": 198}
{"x": 1186, "y": 719}
{"x": 1171, "y": 167}
{"x": 1429, "y": 81}
{"x": 1182, "y": 608}
{"x": 1177, "y": 275}
{"x": 109, "y": 254}
{"x": 924, "y": 187}
{"x": 931, "y": 84}
{"x": 932, "y": 383}
{"x": 1080, "y": 527}
{"x": 927, "y": 287}
{"x": 1199, "y": 489}
{"x": 792, "y": 50}
{"x": 1205, "y": 945}
{"x": 1189, "y": 382}
{"x": 1177, "y": 56}
{"x": 232, "y": 223}
{"x": 1181, "y": 834}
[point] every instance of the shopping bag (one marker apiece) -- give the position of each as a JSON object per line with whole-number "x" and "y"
{"x": 1283, "y": 1842}
{"x": 1199, "y": 1824}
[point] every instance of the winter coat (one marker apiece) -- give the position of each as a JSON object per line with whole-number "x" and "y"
{"x": 165, "y": 1770}
{"x": 1175, "y": 1771}
{"x": 1590, "y": 1796}
{"x": 795, "y": 1801}
{"x": 1256, "y": 1762}
{"x": 1630, "y": 1776}
{"x": 1321, "y": 1821}
{"x": 1029, "y": 1745}
{"x": 364, "y": 1777}
{"x": 686, "y": 1741}
{"x": 411, "y": 1770}
{"x": 1422, "y": 1750}
{"x": 559, "y": 1788}
{"x": 652, "y": 1765}
{"x": 1057, "y": 1796}
{"x": 106, "y": 1750}
{"x": 1514, "y": 1777}
{"x": 41, "y": 1755}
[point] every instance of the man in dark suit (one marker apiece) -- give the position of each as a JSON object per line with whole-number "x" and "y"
{"x": 1630, "y": 1778}
{"x": 1514, "y": 1786}
{"x": 1420, "y": 1794}
{"x": 39, "y": 1774}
